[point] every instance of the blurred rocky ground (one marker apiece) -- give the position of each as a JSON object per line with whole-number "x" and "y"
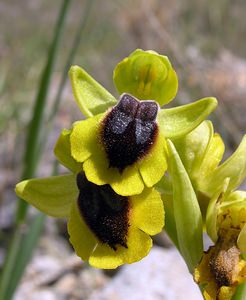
{"x": 56, "y": 273}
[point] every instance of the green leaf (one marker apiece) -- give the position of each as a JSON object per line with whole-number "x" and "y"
{"x": 192, "y": 147}
{"x": 164, "y": 186}
{"x": 234, "y": 168}
{"x": 52, "y": 195}
{"x": 91, "y": 97}
{"x": 240, "y": 293}
{"x": 170, "y": 225}
{"x": 178, "y": 121}
{"x": 213, "y": 156}
{"x": 241, "y": 240}
{"x": 187, "y": 212}
{"x": 213, "y": 210}
{"x": 147, "y": 75}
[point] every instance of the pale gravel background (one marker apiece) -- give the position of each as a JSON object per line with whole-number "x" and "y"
{"x": 57, "y": 274}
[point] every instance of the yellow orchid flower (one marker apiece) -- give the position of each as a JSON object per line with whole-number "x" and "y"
{"x": 106, "y": 229}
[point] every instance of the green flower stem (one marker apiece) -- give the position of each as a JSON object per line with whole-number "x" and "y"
{"x": 241, "y": 289}
{"x": 240, "y": 293}
{"x": 31, "y": 154}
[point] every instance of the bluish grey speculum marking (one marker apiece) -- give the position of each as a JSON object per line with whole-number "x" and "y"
{"x": 104, "y": 212}
{"x": 129, "y": 130}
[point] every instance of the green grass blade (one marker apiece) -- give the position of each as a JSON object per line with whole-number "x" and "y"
{"x": 26, "y": 247}
{"x": 75, "y": 45}
{"x": 76, "y": 42}
{"x": 30, "y": 158}
{"x": 10, "y": 263}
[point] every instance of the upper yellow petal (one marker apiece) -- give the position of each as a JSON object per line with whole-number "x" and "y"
{"x": 153, "y": 166}
{"x": 97, "y": 170}
{"x": 128, "y": 183}
{"x": 85, "y": 138}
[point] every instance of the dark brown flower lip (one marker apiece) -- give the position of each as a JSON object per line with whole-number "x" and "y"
{"x": 105, "y": 212}
{"x": 129, "y": 131}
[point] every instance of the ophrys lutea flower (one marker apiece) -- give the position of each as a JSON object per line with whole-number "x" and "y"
{"x": 124, "y": 143}
{"x": 123, "y": 148}
{"x": 105, "y": 228}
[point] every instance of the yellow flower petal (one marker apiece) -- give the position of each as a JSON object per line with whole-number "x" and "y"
{"x": 226, "y": 292}
{"x": 81, "y": 237}
{"x": 53, "y": 195}
{"x": 153, "y": 166}
{"x": 105, "y": 257}
{"x": 139, "y": 245}
{"x": 96, "y": 167}
{"x": 84, "y": 138}
{"x": 62, "y": 151}
{"x": 147, "y": 211}
{"x": 127, "y": 183}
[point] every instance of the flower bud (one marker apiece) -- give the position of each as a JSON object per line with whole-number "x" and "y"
{"x": 147, "y": 76}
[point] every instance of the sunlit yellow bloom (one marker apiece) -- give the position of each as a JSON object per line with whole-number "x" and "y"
{"x": 105, "y": 228}
{"x": 119, "y": 150}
